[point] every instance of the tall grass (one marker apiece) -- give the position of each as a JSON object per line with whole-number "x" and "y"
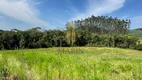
{"x": 71, "y": 64}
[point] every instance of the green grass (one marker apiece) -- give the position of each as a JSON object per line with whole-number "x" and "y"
{"x": 140, "y": 41}
{"x": 88, "y": 64}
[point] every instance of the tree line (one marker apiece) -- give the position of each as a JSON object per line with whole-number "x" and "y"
{"x": 95, "y": 31}
{"x": 102, "y": 25}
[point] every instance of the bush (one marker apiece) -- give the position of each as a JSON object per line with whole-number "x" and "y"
{"x": 139, "y": 47}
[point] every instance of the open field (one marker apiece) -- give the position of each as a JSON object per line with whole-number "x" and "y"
{"x": 79, "y": 63}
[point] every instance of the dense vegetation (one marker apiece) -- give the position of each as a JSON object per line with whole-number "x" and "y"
{"x": 135, "y": 32}
{"x": 89, "y": 64}
{"x": 100, "y": 31}
{"x": 102, "y": 25}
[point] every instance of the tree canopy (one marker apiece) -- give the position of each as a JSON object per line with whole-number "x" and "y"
{"x": 96, "y": 31}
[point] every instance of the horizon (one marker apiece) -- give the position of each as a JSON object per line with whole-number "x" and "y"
{"x": 54, "y": 14}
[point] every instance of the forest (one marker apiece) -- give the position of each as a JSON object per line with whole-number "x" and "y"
{"x": 94, "y": 31}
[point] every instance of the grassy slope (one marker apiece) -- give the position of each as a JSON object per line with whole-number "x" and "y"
{"x": 93, "y": 63}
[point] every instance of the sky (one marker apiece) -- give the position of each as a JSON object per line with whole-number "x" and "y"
{"x": 54, "y": 14}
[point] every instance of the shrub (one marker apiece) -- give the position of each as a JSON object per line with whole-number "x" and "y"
{"x": 139, "y": 47}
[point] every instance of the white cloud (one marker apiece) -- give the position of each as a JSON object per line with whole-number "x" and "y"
{"x": 22, "y": 10}
{"x": 100, "y": 7}
{"x": 6, "y": 24}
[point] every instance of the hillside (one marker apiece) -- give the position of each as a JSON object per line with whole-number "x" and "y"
{"x": 79, "y": 63}
{"x": 135, "y": 32}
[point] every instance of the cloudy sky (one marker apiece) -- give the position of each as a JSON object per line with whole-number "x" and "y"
{"x": 53, "y": 14}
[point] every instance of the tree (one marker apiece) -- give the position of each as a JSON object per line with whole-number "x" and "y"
{"x": 70, "y": 34}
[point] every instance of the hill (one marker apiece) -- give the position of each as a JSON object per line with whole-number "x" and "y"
{"x": 135, "y": 32}
{"x": 139, "y": 29}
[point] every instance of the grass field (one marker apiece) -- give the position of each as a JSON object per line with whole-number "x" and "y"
{"x": 79, "y": 63}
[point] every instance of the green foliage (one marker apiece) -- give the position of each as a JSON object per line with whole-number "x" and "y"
{"x": 139, "y": 29}
{"x": 103, "y": 25}
{"x": 139, "y": 47}
{"x": 35, "y": 38}
{"x": 113, "y": 41}
{"x": 82, "y": 38}
{"x": 135, "y": 33}
{"x": 70, "y": 34}
{"x": 98, "y": 31}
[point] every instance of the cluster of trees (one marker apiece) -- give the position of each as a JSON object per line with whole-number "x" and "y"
{"x": 32, "y": 38}
{"x": 101, "y": 31}
{"x": 102, "y": 25}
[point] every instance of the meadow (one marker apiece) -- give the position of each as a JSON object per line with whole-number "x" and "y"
{"x": 76, "y": 63}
